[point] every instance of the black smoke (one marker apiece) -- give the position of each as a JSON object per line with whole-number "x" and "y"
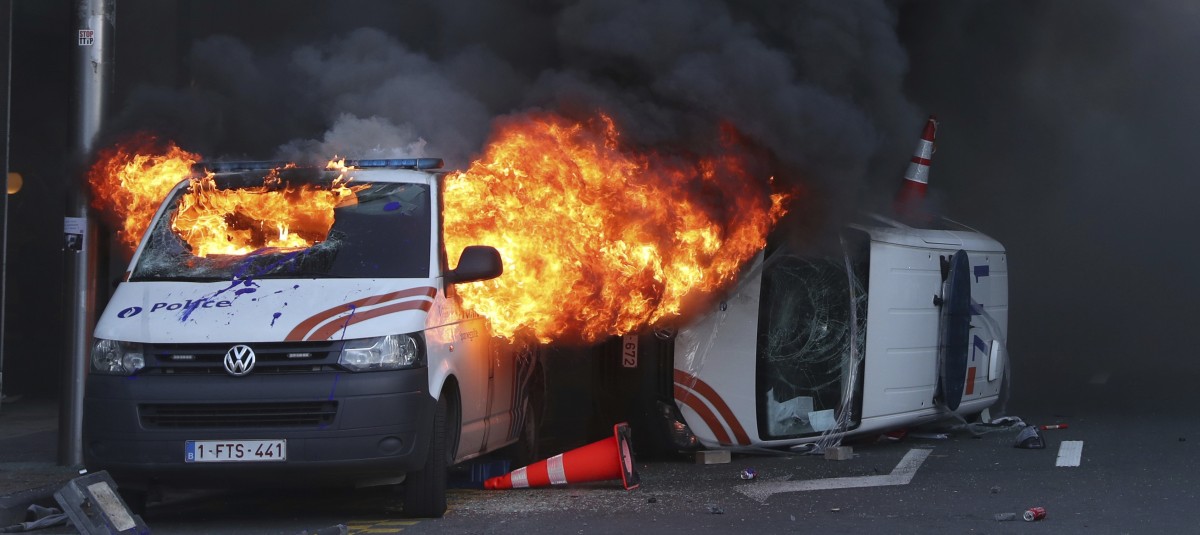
{"x": 1069, "y": 132}
{"x": 819, "y": 85}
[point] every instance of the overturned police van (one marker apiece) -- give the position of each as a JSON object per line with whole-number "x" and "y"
{"x": 905, "y": 326}
{"x": 901, "y": 322}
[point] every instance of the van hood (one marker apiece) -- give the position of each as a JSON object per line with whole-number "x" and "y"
{"x": 267, "y": 310}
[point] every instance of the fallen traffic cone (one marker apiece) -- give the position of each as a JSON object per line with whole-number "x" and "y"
{"x": 911, "y": 197}
{"x": 606, "y": 459}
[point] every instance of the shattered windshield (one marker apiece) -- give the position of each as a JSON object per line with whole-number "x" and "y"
{"x": 321, "y": 228}
{"x": 812, "y": 327}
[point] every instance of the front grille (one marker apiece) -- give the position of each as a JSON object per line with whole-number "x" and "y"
{"x": 270, "y": 358}
{"x": 295, "y": 414}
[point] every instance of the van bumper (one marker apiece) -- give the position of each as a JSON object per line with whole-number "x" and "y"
{"x": 340, "y": 427}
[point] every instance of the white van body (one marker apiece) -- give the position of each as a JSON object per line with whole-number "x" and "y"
{"x": 180, "y": 388}
{"x": 720, "y": 371}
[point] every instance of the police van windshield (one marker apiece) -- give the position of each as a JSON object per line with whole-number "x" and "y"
{"x": 812, "y": 331}
{"x": 370, "y": 230}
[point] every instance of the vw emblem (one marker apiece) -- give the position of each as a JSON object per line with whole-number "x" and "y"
{"x": 239, "y": 360}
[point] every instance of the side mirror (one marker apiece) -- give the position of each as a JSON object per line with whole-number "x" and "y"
{"x": 477, "y": 263}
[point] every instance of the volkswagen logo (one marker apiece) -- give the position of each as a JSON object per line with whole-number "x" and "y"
{"x": 239, "y": 360}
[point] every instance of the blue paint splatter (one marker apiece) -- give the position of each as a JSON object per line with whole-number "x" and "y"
{"x": 392, "y": 206}
{"x": 275, "y": 317}
{"x": 333, "y": 388}
{"x": 353, "y": 309}
{"x": 245, "y": 291}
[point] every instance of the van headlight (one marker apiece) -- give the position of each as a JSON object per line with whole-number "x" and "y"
{"x": 394, "y": 352}
{"x": 113, "y": 357}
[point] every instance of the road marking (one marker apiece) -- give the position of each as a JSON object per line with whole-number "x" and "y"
{"x": 902, "y": 474}
{"x": 1069, "y": 453}
{"x": 378, "y": 527}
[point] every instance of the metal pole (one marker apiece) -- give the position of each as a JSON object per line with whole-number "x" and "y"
{"x": 95, "y": 24}
{"x": 8, "y": 15}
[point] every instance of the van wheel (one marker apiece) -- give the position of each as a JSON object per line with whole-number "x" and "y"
{"x": 528, "y": 448}
{"x": 425, "y": 490}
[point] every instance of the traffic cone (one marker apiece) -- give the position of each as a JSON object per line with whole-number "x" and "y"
{"x": 606, "y": 459}
{"x": 911, "y": 196}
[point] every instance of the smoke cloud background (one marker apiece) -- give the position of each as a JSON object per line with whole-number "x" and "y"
{"x": 1068, "y": 131}
{"x": 1065, "y": 129}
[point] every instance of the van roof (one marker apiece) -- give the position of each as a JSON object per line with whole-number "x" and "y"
{"x": 393, "y": 163}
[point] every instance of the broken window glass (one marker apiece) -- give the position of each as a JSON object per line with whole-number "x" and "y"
{"x": 812, "y": 327}
{"x": 384, "y": 233}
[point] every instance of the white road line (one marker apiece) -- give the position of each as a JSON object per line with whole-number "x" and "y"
{"x": 901, "y": 475}
{"x": 1069, "y": 453}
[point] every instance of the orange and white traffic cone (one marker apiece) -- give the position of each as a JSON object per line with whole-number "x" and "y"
{"x": 911, "y": 197}
{"x": 606, "y": 459}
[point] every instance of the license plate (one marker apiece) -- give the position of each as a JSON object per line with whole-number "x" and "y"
{"x": 232, "y": 451}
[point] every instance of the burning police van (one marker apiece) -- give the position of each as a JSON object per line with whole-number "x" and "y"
{"x": 331, "y": 351}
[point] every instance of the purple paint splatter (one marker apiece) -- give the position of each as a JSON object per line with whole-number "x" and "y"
{"x": 274, "y": 317}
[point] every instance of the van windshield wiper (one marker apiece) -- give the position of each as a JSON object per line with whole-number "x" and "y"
{"x": 175, "y": 278}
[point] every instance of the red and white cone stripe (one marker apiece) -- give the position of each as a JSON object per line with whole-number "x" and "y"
{"x": 918, "y": 167}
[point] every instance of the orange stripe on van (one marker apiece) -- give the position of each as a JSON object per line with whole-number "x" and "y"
{"x": 303, "y": 328}
{"x": 334, "y": 326}
{"x": 970, "y": 381}
{"x": 696, "y": 404}
{"x": 702, "y": 388}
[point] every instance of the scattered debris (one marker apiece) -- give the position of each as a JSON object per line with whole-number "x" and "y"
{"x": 748, "y": 473}
{"x": 1005, "y": 517}
{"x": 836, "y": 510}
{"x": 893, "y": 436}
{"x": 1033, "y": 514}
{"x": 38, "y": 517}
{"x": 1053, "y": 426}
{"x": 996, "y": 489}
{"x": 839, "y": 453}
{"x": 714, "y": 510}
{"x": 930, "y": 436}
{"x": 1030, "y": 439}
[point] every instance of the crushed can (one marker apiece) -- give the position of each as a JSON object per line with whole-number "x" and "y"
{"x": 1034, "y": 514}
{"x": 749, "y": 473}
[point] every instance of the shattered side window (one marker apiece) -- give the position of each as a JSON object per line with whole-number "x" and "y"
{"x": 383, "y": 231}
{"x": 809, "y": 341}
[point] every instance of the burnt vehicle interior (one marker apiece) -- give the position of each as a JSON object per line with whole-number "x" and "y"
{"x": 384, "y": 231}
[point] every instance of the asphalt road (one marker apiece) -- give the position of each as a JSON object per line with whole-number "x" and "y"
{"x": 1136, "y": 474}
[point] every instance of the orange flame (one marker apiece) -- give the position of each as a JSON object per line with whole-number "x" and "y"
{"x": 240, "y": 221}
{"x": 596, "y": 239}
{"x": 130, "y": 180}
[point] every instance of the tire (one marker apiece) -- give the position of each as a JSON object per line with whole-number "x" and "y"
{"x": 425, "y": 490}
{"x": 528, "y": 448}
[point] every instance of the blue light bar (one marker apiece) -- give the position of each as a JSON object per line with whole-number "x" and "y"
{"x": 398, "y": 163}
